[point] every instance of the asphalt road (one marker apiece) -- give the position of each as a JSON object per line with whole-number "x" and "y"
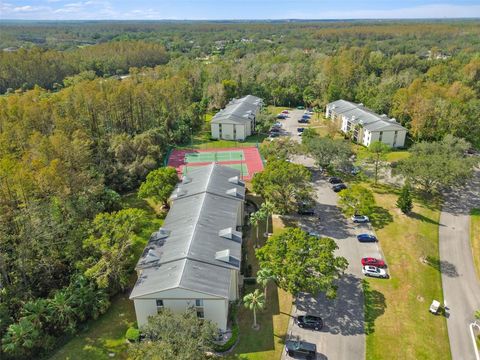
{"x": 343, "y": 334}
{"x": 461, "y": 287}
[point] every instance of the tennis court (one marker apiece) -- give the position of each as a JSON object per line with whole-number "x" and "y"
{"x": 247, "y": 160}
{"x": 240, "y": 167}
{"x": 217, "y": 156}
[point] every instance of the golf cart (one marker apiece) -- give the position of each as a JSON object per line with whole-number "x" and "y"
{"x": 434, "y": 307}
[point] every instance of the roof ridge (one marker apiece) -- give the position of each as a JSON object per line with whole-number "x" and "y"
{"x": 200, "y": 209}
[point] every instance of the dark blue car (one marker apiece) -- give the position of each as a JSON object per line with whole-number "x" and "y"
{"x": 366, "y": 238}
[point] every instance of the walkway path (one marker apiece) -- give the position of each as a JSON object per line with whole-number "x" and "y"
{"x": 461, "y": 288}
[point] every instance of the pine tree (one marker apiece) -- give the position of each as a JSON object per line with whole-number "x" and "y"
{"x": 404, "y": 201}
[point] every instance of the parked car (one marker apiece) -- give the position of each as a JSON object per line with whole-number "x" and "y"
{"x": 275, "y": 129}
{"x": 306, "y": 211}
{"x": 301, "y": 107}
{"x": 366, "y": 238}
{"x": 373, "y": 262}
{"x": 339, "y": 187}
{"x": 285, "y": 112}
{"x": 335, "y": 180}
{"x": 355, "y": 170}
{"x": 281, "y": 116}
{"x": 300, "y": 129}
{"x": 306, "y": 116}
{"x": 309, "y": 322}
{"x": 374, "y": 271}
{"x": 301, "y": 349}
{"x": 360, "y": 219}
{"x": 303, "y": 121}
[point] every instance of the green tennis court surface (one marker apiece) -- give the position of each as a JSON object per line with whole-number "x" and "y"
{"x": 240, "y": 167}
{"x": 218, "y": 156}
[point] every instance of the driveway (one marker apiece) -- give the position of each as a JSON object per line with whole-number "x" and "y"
{"x": 343, "y": 334}
{"x": 461, "y": 289}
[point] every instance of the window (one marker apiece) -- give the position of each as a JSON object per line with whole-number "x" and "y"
{"x": 199, "y": 308}
{"x": 234, "y": 132}
{"x": 159, "y": 305}
{"x": 380, "y": 136}
{"x": 395, "y": 138}
{"x": 220, "y": 130}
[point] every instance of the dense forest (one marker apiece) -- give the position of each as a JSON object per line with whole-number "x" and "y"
{"x": 74, "y": 135}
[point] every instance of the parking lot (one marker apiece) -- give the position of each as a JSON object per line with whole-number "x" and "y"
{"x": 342, "y": 336}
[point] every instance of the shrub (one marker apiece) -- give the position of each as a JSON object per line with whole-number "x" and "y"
{"x": 132, "y": 334}
{"x": 235, "y": 331}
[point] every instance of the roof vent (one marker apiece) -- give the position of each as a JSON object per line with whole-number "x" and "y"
{"x": 236, "y": 180}
{"x": 361, "y": 104}
{"x": 383, "y": 115}
{"x": 234, "y": 192}
{"x": 224, "y": 256}
{"x": 230, "y": 234}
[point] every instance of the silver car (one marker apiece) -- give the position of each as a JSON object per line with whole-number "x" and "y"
{"x": 374, "y": 271}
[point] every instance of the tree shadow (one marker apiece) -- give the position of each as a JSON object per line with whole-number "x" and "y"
{"x": 423, "y": 218}
{"x": 374, "y": 306}
{"x": 444, "y": 267}
{"x": 380, "y": 217}
{"x": 342, "y": 315}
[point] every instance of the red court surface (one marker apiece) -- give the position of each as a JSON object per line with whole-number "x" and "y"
{"x": 251, "y": 158}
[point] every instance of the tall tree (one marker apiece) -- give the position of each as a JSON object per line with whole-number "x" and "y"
{"x": 111, "y": 243}
{"x": 405, "y": 202}
{"x": 254, "y": 301}
{"x": 436, "y": 165}
{"x": 264, "y": 276}
{"x": 159, "y": 185}
{"x": 357, "y": 200}
{"x": 283, "y": 184}
{"x": 377, "y": 152}
{"x": 254, "y": 220}
{"x": 171, "y": 335}
{"x": 267, "y": 208}
{"x": 302, "y": 263}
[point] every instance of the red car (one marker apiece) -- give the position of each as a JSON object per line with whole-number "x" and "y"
{"x": 373, "y": 262}
{"x": 285, "y": 112}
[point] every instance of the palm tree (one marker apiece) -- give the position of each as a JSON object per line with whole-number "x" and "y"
{"x": 254, "y": 301}
{"x": 267, "y": 208}
{"x": 264, "y": 275}
{"x": 255, "y": 219}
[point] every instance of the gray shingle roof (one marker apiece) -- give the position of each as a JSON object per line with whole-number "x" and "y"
{"x": 359, "y": 114}
{"x": 238, "y": 111}
{"x": 198, "y": 238}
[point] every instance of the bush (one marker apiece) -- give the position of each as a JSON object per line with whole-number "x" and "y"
{"x": 132, "y": 334}
{"x": 235, "y": 331}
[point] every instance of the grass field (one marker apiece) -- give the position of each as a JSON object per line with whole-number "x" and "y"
{"x": 475, "y": 238}
{"x": 266, "y": 343}
{"x": 104, "y": 336}
{"x": 398, "y": 323}
{"x": 203, "y": 142}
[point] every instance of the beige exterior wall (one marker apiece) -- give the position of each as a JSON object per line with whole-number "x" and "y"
{"x": 215, "y": 131}
{"x": 231, "y": 131}
{"x": 234, "y": 292}
{"x": 388, "y": 138}
{"x": 179, "y": 300}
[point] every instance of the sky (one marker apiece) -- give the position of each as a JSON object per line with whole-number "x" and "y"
{"x": 235, "y": 9}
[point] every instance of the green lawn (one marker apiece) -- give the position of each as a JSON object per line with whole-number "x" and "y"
{"x": 98, "y": 338}
{"x": 203, "y": 141}
{"x": 394, "y": 156}
{"x": 266, "y": 343}
{"x": 102, "y": 336}
{"x": 475, "y": 238}
{"x": 398, "y": 323}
